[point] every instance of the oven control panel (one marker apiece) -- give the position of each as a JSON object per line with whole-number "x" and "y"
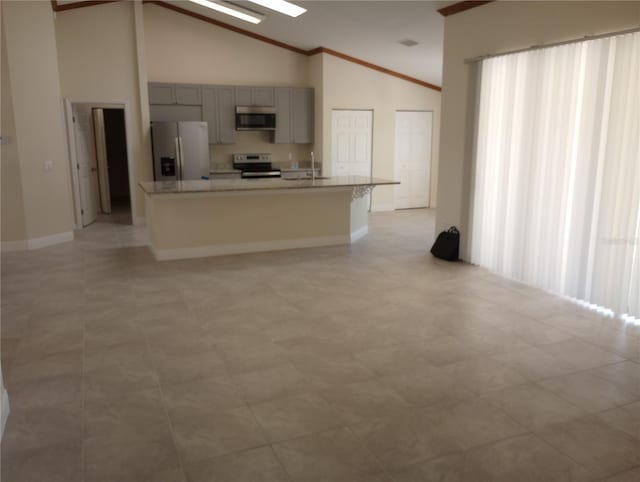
{"x": 251, "y": 158}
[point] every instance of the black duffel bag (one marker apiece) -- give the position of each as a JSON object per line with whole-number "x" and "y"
{"x": 447, "y": 245}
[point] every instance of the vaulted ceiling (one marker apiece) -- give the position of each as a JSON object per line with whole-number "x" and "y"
{"x": 368, "y": 30}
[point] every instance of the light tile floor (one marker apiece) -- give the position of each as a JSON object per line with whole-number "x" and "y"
{"x": 372, "y": 362}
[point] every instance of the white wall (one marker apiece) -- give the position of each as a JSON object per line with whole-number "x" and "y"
{"x": 13, "y": 227}
{"x": 350, "y": 86}
{"x": 184, "y": 49}
{"x": 4, "y": 99}
{"x": 493, "y": 28}
{"x": 37, "y": 112}
{"x": 98, "y": 62}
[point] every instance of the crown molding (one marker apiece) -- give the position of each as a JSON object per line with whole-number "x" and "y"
{"x": 70, "y": 6}
{"x": 461, "y": 7}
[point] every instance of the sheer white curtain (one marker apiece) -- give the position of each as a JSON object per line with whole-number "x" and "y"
{"x": 556, "y": 199}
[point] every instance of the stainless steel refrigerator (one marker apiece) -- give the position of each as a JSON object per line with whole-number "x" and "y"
{"x": 180, "y": 150}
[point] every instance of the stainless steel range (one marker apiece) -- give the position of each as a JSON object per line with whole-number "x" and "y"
{"x": 254, "y": 166}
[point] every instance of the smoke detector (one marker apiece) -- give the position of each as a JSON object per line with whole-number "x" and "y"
{"x": 408, "y": 42}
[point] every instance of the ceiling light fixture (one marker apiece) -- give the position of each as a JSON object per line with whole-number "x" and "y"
{"x": 281, "y": 6}
{"x": 237, "y": 12}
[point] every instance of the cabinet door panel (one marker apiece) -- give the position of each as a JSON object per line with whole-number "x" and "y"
{"x": 243, "y": 95}
{"x": 172, "y": 113}
{"x": 209, "y": 113}
{"x": 262, "y": 96}
{"x": 283, "y": 131}
{"x": 188, "y": 94}
{"x": 162, "y": 93}
{"x": 226, "y": 114}
{"x": 302, "y": 113}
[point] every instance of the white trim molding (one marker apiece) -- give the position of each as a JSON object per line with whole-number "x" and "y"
{"x": 382, "y": 207}
{"x": 12, "y": 246}
{"x": 36, "y": 243}
{"x": 5, "y": 409}
{"x": 242, "y": 248}
{"x": 358, "y": 234}
{"x": 43, "y": 242}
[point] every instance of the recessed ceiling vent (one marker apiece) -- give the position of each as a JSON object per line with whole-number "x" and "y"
{"x": 408, "y": 42}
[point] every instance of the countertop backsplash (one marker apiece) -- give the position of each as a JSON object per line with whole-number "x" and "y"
{"x": 221, "y": 155}
{"x": 283, "y": 166}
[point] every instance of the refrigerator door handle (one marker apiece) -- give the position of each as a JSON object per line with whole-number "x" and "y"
{"x": 181, "y": 156}
{"x": 178, "y": 162}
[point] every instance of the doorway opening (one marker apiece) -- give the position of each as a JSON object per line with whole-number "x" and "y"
{"x": 98, "y": 148}
{"x": 113, "y": 166}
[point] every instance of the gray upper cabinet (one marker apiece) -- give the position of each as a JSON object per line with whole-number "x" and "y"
{"x": 181, "y": 94}
{"x": 302, "y": 114}
{"x": 188, "y": 94}
{"x": 166, "y": 113}
{"x": 283, "y": 130}
{"x": 226, "y": 114}
{"x": 162, "y": 93}
{"x": 258, "y": 96}
{"x": 215, "y": 104}
{"x": 218, "y": 110}
{"x": 210, "y": 113}
{"x": 294, "y": 115}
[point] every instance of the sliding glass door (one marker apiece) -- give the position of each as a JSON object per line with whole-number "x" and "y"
{"x": 556, "y": 199}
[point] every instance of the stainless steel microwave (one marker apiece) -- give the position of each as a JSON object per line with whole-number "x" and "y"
{"x": 251, "y": 118}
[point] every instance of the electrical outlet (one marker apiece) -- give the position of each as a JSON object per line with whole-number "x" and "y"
{"x": 48, "y": 165}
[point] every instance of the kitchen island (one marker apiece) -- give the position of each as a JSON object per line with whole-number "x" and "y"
{"x": 190, "y": 219}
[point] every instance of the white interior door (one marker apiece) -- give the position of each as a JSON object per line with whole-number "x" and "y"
{"x": 87, "y": 164}
{"x": 351, "y": 135}
{"x": 413, "y": 159}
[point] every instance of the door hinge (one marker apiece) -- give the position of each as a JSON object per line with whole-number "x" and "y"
{"x": 81, "y": 211}
{"x": 78, "y": 166}
{"x": 74, "y": 118}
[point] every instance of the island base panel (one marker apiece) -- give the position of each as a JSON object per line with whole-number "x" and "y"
{"x": 182, "y": 226}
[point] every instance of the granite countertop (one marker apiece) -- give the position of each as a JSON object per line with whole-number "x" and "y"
{"x": 225, "y": 171}
{"x": 225, "y": 185}
{"x": 286, "y": 169}
{"x": 297, "y": 169}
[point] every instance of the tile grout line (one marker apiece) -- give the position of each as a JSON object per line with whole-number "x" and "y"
{"x": 165, "y": 409}
{"x": 84, "y": 401}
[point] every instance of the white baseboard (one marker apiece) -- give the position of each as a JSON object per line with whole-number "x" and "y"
{"x": 10, "y": 246}
{"x": 359, "y": 233}
{"x": 241, "y": 248}
{"x": 37, "y": 243}
{"x": 4, "y": 408}
{"x": 377, "y": 207}
{"x": 139, "y": 221}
